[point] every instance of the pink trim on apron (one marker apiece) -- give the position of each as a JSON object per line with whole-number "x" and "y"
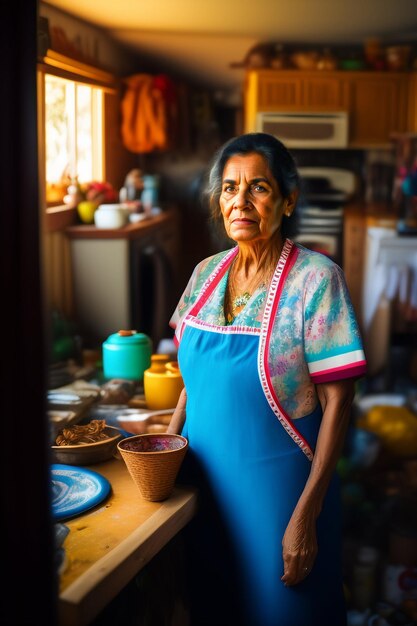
{"x": 206, "y": 290}
{"x": 286, "y": 261}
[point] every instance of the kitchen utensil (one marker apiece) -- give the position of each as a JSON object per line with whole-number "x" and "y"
{"x": 153, "y": 461}
{"x": 162, "y": 388}
{"x": 138, "y": 422}
{"x": 126, "y": 354}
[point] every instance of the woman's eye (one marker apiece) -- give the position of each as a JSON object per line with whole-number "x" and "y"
{"x": 229, "y": 189}
{"x": 258, "y": 188}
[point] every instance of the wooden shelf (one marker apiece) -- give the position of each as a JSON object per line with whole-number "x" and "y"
{"x": 130, "y": 231}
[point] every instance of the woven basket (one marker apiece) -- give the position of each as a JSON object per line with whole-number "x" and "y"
{"x": 153, "y": 461}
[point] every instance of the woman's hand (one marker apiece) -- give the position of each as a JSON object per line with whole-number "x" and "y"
{"x": 300, "y": 540}
{"x": 299, "y": 547}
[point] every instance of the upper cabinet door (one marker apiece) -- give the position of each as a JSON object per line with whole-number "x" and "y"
{"x": 378, "y": 107}
{"x": 321, "y": 91}
{"x": 282, "y": 91}
{"x": 269, "y": 90}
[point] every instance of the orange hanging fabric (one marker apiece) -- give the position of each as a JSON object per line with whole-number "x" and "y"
{"x": 145, "y": 108}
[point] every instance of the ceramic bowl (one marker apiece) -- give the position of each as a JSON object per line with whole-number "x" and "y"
{"x": 86, "y": 454}
{"x": 110, "y": 216}
{"x": 140, "y": 422}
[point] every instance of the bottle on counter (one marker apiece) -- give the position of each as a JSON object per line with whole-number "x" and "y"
{"x": 150, "y": 193}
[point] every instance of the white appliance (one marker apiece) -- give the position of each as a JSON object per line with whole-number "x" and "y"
{"x": 319, "y": 214}
{"x": 306, "y": 130}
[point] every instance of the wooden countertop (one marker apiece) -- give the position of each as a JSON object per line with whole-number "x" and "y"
{"x": 130, "y": 231}
{"x": 107, "y": 546}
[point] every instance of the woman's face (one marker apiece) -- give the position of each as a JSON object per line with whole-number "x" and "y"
{"x": 251, "y": 202}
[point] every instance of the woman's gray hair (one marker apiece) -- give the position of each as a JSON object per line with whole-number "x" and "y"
{"x": 280, "y": 162}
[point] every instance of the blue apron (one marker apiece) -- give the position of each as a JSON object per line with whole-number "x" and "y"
{"x": 250, "y": 474}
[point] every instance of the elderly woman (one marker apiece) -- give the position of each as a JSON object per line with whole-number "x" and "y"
{"x": 269, "y": 349}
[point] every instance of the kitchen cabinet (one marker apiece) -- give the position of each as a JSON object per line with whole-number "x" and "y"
{"x": 377, "y": 102}
{"x": 271, "y": 90}
{"x": 378, "y": 107}
{"x": 125, "y": 278}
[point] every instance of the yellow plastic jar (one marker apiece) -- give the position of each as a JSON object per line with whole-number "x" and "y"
{"x": 162, "y": 388}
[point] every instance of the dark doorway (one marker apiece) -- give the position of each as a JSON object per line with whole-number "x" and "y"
{"x": 29, "y": 583}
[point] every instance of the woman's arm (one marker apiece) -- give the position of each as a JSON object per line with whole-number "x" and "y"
{"x": 178, "y": 416}
{"x": 300, "y": 542}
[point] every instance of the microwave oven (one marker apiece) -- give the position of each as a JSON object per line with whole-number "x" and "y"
{"x": 306, "y": 130}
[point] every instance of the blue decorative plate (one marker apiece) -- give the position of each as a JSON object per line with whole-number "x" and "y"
{"x": 75, "y": 490}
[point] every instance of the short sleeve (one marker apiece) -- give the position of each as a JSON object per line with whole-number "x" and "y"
{"x": 186, "y": 300}
{"x": 200, "y": 275}
{"x": 332, "y": 341}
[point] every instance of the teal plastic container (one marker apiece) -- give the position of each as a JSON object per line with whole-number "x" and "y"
{"x": 126, "y": 354}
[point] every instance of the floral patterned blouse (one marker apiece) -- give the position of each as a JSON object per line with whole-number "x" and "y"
{"x": 306, "y": 322}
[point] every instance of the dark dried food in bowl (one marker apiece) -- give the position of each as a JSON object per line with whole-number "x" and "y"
{"x": 82, "y": 435}
{"x": 86, "y": 453}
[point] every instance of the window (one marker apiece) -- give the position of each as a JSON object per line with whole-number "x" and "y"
{"x": 73, "y": 99}
{"x": 73, "y": 134}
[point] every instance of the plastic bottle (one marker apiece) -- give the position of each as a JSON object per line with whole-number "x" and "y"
{"x": 150, "y": 193}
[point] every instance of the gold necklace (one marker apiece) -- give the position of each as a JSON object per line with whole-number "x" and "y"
{"x": 237, "y": 298}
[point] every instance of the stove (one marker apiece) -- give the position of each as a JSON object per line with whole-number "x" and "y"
{"x": 319, "y": 215}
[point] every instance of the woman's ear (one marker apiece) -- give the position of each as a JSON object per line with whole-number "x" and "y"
{"x": 290, "y": 202}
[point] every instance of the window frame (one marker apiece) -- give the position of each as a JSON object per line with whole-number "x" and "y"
{"x": 60, "y": 216}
